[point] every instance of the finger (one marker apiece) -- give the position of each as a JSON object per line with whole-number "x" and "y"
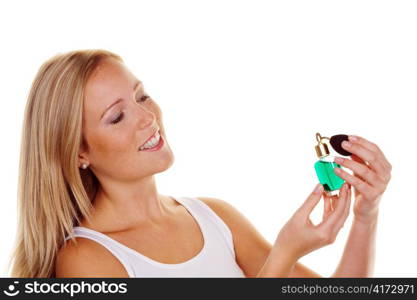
{"x": 359, "y": 160}
{"x": 387, "y": 174}
{"x": 338, "y": 211}
{"x": 311, "y": 200}
{"x": 371, "y": 146}
{"x": 364, "y": 142}
{"x": 333, "y": 200}
{"x": 327, "y": 207}
{"x": 363, "y": 171}
{"x": 373, "y": 158}
{"x": 346, "y": 211}
{"x": 362, "y": 186}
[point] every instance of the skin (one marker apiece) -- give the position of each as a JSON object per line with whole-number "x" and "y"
{"x": 370, "y": 178}
{"x": 129, "y": 208}
{"x": 300, "y": 236}
{"x": 128, "y": 187}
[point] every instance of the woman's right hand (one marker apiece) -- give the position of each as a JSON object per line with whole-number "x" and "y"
{"x": 300, "y": 236}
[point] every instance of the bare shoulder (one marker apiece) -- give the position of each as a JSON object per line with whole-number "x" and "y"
{"x": 87, "y": 258}
{"x": 235, "y": 220}
{"x": 228, "y": 213}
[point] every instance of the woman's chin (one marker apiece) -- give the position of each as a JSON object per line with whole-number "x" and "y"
{"x": 164, "y": 163}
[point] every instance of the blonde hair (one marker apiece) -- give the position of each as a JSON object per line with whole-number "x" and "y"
{"x": 53, "y": 193}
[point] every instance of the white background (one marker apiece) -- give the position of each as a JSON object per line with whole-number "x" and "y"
{"x": 244, "y": 86}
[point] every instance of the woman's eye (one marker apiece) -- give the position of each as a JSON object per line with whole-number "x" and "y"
{"x": 118, "y": 119}
{"x": 143, "y": 98}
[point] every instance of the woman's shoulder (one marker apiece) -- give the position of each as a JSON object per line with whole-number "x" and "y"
{"x": 251, "y": 247}
{"x": 226, "y": 211}
{"x": 217, "y": 205}
{"x": 83, "y": 257}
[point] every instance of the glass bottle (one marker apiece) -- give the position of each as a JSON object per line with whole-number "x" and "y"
{"x": 325, "y": 167}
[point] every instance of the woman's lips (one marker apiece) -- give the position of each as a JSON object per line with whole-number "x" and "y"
{"x": 150, "y": 138}
{"x": 157, "y": 146}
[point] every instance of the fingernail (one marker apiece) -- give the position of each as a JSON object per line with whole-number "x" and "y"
{"x": 346, "y": 144}
{"x": 337, "y": 170}
{"x": 353, "y": 138}
{"x": 318, "y": 189}
{"x": 339, "y": 160}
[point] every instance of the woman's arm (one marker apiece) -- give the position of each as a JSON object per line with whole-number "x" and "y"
{"x": 371, "y": 175}
{"x": 358, "y": 255}
{"x": 357, "y": 259}
{"x": 254, "y": 256}
{"x": 282, "y": 265}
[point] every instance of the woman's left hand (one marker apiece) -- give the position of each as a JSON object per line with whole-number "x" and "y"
{"x": 371, "y": 175}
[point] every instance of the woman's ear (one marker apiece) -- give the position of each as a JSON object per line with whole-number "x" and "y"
{"x": 83, "y": 154}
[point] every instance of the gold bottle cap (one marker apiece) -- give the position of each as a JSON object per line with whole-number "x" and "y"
{"x": 321, "y": 148}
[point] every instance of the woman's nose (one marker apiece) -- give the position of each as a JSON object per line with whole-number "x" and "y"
{"x": 146, "y": 117}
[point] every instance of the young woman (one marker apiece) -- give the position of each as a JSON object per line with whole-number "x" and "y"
{"x": 93, "y": 140}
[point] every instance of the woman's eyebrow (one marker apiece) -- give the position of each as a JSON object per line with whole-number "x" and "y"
{"x": 137, "y": 84}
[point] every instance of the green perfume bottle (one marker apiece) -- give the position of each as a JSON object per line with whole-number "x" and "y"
{"x": 325, "y": 167}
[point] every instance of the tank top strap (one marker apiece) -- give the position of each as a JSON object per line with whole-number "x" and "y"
{"x": 107, "y": 242}
{"x": 209, "y": 219}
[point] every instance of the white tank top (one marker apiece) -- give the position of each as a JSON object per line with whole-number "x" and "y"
{"x": 216, "y": 259}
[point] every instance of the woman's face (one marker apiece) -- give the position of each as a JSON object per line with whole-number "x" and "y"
{"x": 118, "y": 118}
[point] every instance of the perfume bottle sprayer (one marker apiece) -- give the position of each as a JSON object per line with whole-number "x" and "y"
{"x": 325, "y": 167}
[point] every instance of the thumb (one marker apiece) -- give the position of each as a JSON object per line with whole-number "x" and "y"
{"x": 312, "y": 200}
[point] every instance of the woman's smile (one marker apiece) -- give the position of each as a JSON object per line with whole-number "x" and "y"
{"x": 154, "y": 143}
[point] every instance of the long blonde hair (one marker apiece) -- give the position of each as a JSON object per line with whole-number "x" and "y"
{"x": 53, "y": 193}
